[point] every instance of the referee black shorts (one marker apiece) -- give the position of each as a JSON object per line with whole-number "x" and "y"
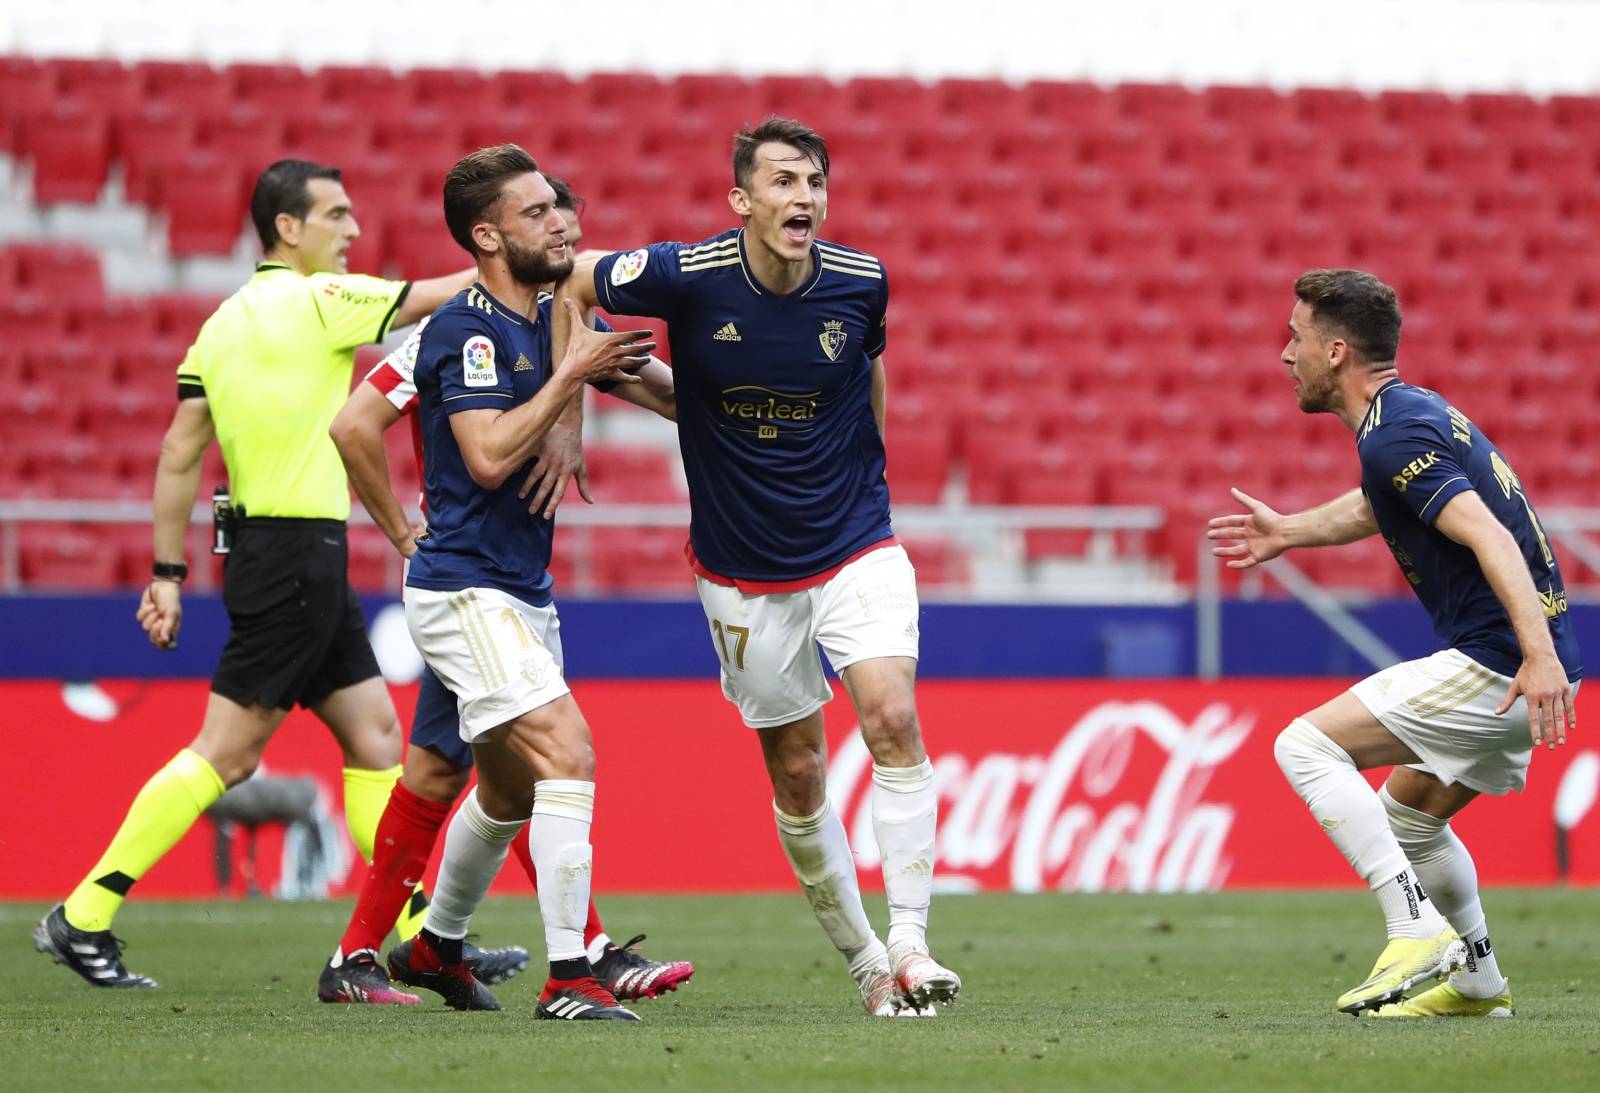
{"x": 295, "y": 628}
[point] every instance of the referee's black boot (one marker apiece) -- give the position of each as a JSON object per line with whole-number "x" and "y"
{"x": 96, "y": 955}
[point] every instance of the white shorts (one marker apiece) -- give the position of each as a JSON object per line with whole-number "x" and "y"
{"x": 1443, "y": 708}
{"x": 768, "y": 643}
{"x": 499, "y": 656}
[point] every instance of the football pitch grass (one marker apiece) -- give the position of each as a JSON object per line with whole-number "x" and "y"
{"x": 1218, "y": 991}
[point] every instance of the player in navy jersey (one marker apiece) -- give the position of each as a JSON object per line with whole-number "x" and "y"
{"x": 1469, "y": 542}
{"x": 438, "y": 763}
{"x": 477, "y": 592}
{"x": 777, "y": 348}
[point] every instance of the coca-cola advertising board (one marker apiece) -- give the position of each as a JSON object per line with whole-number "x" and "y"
{"x": 1080, "y": 786}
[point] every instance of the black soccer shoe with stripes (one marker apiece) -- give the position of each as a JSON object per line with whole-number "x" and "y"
{"x": 631, "y": 976}
{"x": 96, "y": 955}
{"x": 493, "y": 966}
{"x": 580, "y": 1000}
{"x": 416, "y": 964}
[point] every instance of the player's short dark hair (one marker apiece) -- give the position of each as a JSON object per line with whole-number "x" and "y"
{"x": 283, "y": 188}
{"x": 474, "y": 184}
{"x": 565, "y": 198}
{"x": 1364, "y": 310}
{"x": 777, "y": 130}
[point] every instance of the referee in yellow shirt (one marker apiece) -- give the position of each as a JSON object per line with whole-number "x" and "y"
{"x": 265, "y": 377}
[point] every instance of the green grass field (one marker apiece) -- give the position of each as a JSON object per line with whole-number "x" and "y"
{"x": 1114, "y": 992}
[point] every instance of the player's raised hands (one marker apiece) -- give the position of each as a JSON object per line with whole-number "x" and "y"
{"x": 1247, "y": 538}
{"x": 596, "y": 355}
{"x": 1543, "y": 683}
{"x": 161, "y": 613}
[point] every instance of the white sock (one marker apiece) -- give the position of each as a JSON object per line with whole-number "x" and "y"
{"x": 1446, "y": 869}
{"x": 474, "y": 849}
{"x": 563, "y": 861}
{"x": 1327, "y": 780}
{"x": 597, "y": 947}
{"x": 819, "y": 853}
{"x": 905, "y": 818}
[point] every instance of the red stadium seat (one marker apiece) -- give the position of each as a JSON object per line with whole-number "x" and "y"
{"x": 245, "y": 136}
{"x": 458, "y": 92}
{"x": 370, "y": 91}
{"x": 204, "y": 199}
{"x": 939, "y": 563}
{"x": 186, "y": 86}
{"x": 97, "y": 80}
{"x": 27, "y": 87}
{"x": 70, "y": 146}
{"x": 331, "y": 134}
{"x": 627, "y": 474}
{"x": 63, "y": 557}
{"x": 639, "y": 561}
{"x": 59, "y": 270}
{"x": 159, "y": 133}
{"x": 281, "y": 91}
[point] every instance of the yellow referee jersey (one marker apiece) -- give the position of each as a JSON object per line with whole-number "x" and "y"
{"x": 274, "y": 363}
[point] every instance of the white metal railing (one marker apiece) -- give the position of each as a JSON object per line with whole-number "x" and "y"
{"x": 991, "y": 532}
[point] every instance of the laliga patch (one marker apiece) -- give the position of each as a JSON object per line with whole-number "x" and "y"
{"x": 629, "y": 267}
{"x": 477, "y": 363}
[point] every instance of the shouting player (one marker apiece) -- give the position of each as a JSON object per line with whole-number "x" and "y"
{"x": 438, "y": 764}
{"x": 1465, "y": 535}
{"x": 477, "y": 593}
{"x": 777, "y": 343}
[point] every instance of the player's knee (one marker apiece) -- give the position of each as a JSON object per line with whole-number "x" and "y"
{"x": 892, "y": 732}
{"x": 377, "y": 745}
{"x": 1303, "y": 750}
{"x": 433, "y": 778}
{"x": 571, "y": 755}
{"x": 799, "y": 773}
{"x": 235, "y": 767}
{"x": 1413, "y": 829}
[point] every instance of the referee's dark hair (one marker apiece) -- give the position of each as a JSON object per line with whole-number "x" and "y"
{"x": 474, "y": 184}
{"x": 282, "y": 188}
{"x": 1361, "y": 308}
{"x": 779, "y": 131}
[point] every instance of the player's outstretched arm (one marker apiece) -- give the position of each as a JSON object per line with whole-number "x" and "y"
{"x": 177, "y": 481}
{"x": 880, "y": 392}
{"x": 495, "y": 443}
{"x": 1261, "y": 533}
{"x": 426, "y": 297}
{"x": 653, "y": 392}
{"x": 1541, "y": 679}
{"x": 357, "y": 432}
{"x": 577, "y": 289}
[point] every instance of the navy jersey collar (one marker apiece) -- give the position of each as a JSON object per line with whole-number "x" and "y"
{"x": 1367, "y": 421}
{"x": 506, "y": 312}
{"x": 754, "y": 282}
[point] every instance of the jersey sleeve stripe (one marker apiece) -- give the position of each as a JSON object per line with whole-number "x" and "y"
{"x": 732, "y": 260}
{"x": 853, "y": 271}
{"x": 687, "y": 252}
{"x": 478, "y": 394}
{"x": 394, "y": 309}
{"x": 846, "y": 256}
{"x": 1437, "y": 492}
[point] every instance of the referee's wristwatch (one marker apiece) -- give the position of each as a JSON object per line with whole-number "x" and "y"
{"x": 170, "y": 571}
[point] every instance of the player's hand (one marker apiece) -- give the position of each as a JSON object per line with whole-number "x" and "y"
{"x": 1247, "y": 538}
{"x": 605, "y": 356}
{"x": 1543, "y": 682}
{"x": 161, "y": 613}
{"x": 407, "y": 544}
{"x": 559, "y": 460}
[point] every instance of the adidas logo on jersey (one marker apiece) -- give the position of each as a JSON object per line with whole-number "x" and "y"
{"x": 728, "y": 333}
{"x": 523, "y": 364}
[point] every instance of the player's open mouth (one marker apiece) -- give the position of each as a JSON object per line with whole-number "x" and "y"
{"x": 798, "y": 228}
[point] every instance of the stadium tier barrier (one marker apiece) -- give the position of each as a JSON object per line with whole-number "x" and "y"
{"x": 1077, "y": 786}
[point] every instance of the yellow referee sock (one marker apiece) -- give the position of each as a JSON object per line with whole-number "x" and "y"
{"x": 366, "y": 795}
{"x": 168, "y": 805}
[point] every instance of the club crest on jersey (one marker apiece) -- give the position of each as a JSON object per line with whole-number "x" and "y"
{"x": 477, "y": 362}
{"x": 629, "y": 266}
{"x": 833, "y": 338}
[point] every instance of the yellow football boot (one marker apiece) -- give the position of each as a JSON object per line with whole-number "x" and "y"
{"x": 1445, "y": 1001}
{"x": 1405, "y": 962}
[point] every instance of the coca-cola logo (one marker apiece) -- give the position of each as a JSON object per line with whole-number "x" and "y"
{"x": 1118, "y": 805}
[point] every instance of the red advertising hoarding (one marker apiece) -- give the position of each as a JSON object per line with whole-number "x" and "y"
{"x": 1081, "y": 785}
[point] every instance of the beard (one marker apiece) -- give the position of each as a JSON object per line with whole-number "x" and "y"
{"x": 1319, "y": 396}
{"x": 530, "y": 266}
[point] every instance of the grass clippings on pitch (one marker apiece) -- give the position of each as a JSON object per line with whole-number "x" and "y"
{"x": 1116, "y": 992}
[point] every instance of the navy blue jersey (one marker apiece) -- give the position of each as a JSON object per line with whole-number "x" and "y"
{"x": 782, "y": 454}
{"x": 478, "y": 354}
{"x": 1417, "y": 452}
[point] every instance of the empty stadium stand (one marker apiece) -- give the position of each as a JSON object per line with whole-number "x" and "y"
{"x": 1090, "y": 283}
